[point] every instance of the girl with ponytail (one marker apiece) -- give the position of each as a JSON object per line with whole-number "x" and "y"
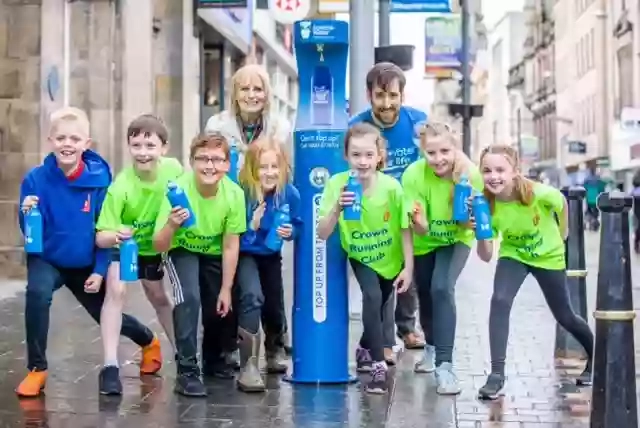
{"x": 441, "y": 246}
{"x": 532, "y": 242}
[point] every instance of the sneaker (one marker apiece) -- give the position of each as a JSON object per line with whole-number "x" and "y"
{"x": 492, "y": 389}
{"x": 363, "y": 360}
{"x": 378, "y": 382}
{"x": 151, "y": 358}
{"x": 33, "y": 384}
{"x": 109, "y": 381}
{"x": 218, "y": 370}
{"x": 190, "y": 385}
{"x": 585, "y": 377}
{"x": 447, "y": 380}
{"x": 426, "y": 364}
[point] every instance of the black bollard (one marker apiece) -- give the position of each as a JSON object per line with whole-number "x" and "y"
{"x": 613, "y": 401}
{"x": 567, "y": 347}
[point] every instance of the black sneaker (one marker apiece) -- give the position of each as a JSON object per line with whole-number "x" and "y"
{"x": 492, "y": 389}
{"x": 190, "y": 385}
{"x": 109, "y": 381}
{"x": 585, "y": 377}
{"x": 218, "y": 370}
{"x": 378, "y": 382}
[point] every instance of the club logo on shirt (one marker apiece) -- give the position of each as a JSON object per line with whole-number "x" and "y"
{"x": 86, "y": 208}
{"x": 536, "y": 217}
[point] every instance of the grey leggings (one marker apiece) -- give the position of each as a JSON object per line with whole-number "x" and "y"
{"x": 510, "y": 274}
{"x": 376, "y": 291}
{"x": 435, "y": 277}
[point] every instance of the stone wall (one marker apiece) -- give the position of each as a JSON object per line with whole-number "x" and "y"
{"x": 19, "y": 117}
{"x": 125, "y": 58}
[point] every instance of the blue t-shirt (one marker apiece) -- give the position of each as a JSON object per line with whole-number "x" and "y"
{"x": 403, "y": 144}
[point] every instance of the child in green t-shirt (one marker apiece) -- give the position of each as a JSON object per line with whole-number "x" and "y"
{"x": 441, "y": 245}
{"x": 378, "y": 246}
{"x": 129, "y": 210}
{"x": 532, "y": 242}
{"x": 202, "y": 259}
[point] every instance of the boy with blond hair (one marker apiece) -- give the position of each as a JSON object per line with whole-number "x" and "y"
{"x": 69, "y": 188}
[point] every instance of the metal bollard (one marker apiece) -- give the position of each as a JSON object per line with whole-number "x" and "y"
{"x": 567, "y": 347}
{"x": 613, "y": 402}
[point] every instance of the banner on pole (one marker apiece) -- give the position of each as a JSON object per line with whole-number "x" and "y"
{"x": 443, "y": 45}
{"x": 399, "y": 6}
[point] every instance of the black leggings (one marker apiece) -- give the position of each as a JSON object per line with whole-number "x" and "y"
{"x": 376, "y": 290}
{"x": 509, "y": 276}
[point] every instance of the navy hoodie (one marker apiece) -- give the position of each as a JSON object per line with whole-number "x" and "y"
{"x": 253, "y": 241}
{"x": 70, "y": 207}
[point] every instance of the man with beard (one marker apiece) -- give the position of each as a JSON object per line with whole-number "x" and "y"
{"x": 398, "y": 123}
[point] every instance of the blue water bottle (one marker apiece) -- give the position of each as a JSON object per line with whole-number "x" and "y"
{"x": 177, "y": 197}
{"x": 33, "y": 231}
{"x": 482, "y": 214}
{"x": 461, "y": 192}
{"x": 353, "y": 212}
{"x": 281, "y": 217}
{"x": 129, "y": 260}
{"x": 234, "y": 159}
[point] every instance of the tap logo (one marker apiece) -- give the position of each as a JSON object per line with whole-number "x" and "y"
{"x": 305, "y": 29}
{"x": 318, "y": 177}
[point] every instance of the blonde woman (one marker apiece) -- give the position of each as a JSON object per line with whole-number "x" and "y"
{"x": 441, "y": 245}
{"x": 249, "y": 115}
{"x": 265, "y": 180}
{"x": 248, "y": 118}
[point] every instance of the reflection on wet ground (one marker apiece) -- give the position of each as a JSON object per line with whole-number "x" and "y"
{"x": 538, "y": 395}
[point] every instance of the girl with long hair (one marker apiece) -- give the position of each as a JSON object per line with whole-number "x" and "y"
{"x": 441, "y": 246}
{"x": 532, "y": 242}
{"x": 378, "y": 246}
{"x": 265, "y": 179}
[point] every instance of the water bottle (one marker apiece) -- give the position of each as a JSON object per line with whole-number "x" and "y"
{"x": 33, "y": 231}
{"x": 234, "y": 159}
{"x": 281, "y": 217}
{"x": 354, "y": 211}
{"x": 129, "y": 260}
{"x": 461, "y": 192}
{"x": 177, "y": 197}
{"x": 482, "y": 214}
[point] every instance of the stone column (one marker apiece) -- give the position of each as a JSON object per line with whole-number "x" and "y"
{"x": 20, "y": 148}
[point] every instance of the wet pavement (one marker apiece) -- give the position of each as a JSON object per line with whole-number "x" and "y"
{"x": 538, "y": 395}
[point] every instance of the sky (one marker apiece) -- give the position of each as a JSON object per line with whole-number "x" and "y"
{"x": 408, "y": 28}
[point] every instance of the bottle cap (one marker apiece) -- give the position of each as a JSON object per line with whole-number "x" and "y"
{"x": 353, "y": 173}
{"x": 172, "y": 185}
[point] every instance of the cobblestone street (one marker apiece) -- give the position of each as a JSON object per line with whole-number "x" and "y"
{"x": 538, "y": 395}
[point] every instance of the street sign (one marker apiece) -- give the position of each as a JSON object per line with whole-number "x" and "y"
{"x": 432, "y": 6}
{"x": 289, "y": 11}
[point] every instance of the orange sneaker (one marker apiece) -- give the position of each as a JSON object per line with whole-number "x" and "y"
{"x": 151, "y": 358}
{"x": 32, "y": 385}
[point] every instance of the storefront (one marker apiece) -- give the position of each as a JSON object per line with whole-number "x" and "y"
{"x": 226, "y": 36}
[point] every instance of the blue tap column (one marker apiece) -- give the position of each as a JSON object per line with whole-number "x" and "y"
{"x": 321, "y": 304}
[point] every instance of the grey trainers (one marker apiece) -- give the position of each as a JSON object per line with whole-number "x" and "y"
{"x": 426, "y": 364}
{"x": 447, "y": 380}
{"x": 249, "y": 379}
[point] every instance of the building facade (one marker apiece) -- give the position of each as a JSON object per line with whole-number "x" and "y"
{"x": 505, "y": 117}
{"x": 583, "y": 82}
{"x": 117, "y": 60}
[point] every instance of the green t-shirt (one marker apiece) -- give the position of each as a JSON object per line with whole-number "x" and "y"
{"x": 221, "y": 214}
{"x": 134, "y": 203}
{"x": 435, "y": 195}
{"x": 375, "y": 240}
{"x": 530, "y": 233}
